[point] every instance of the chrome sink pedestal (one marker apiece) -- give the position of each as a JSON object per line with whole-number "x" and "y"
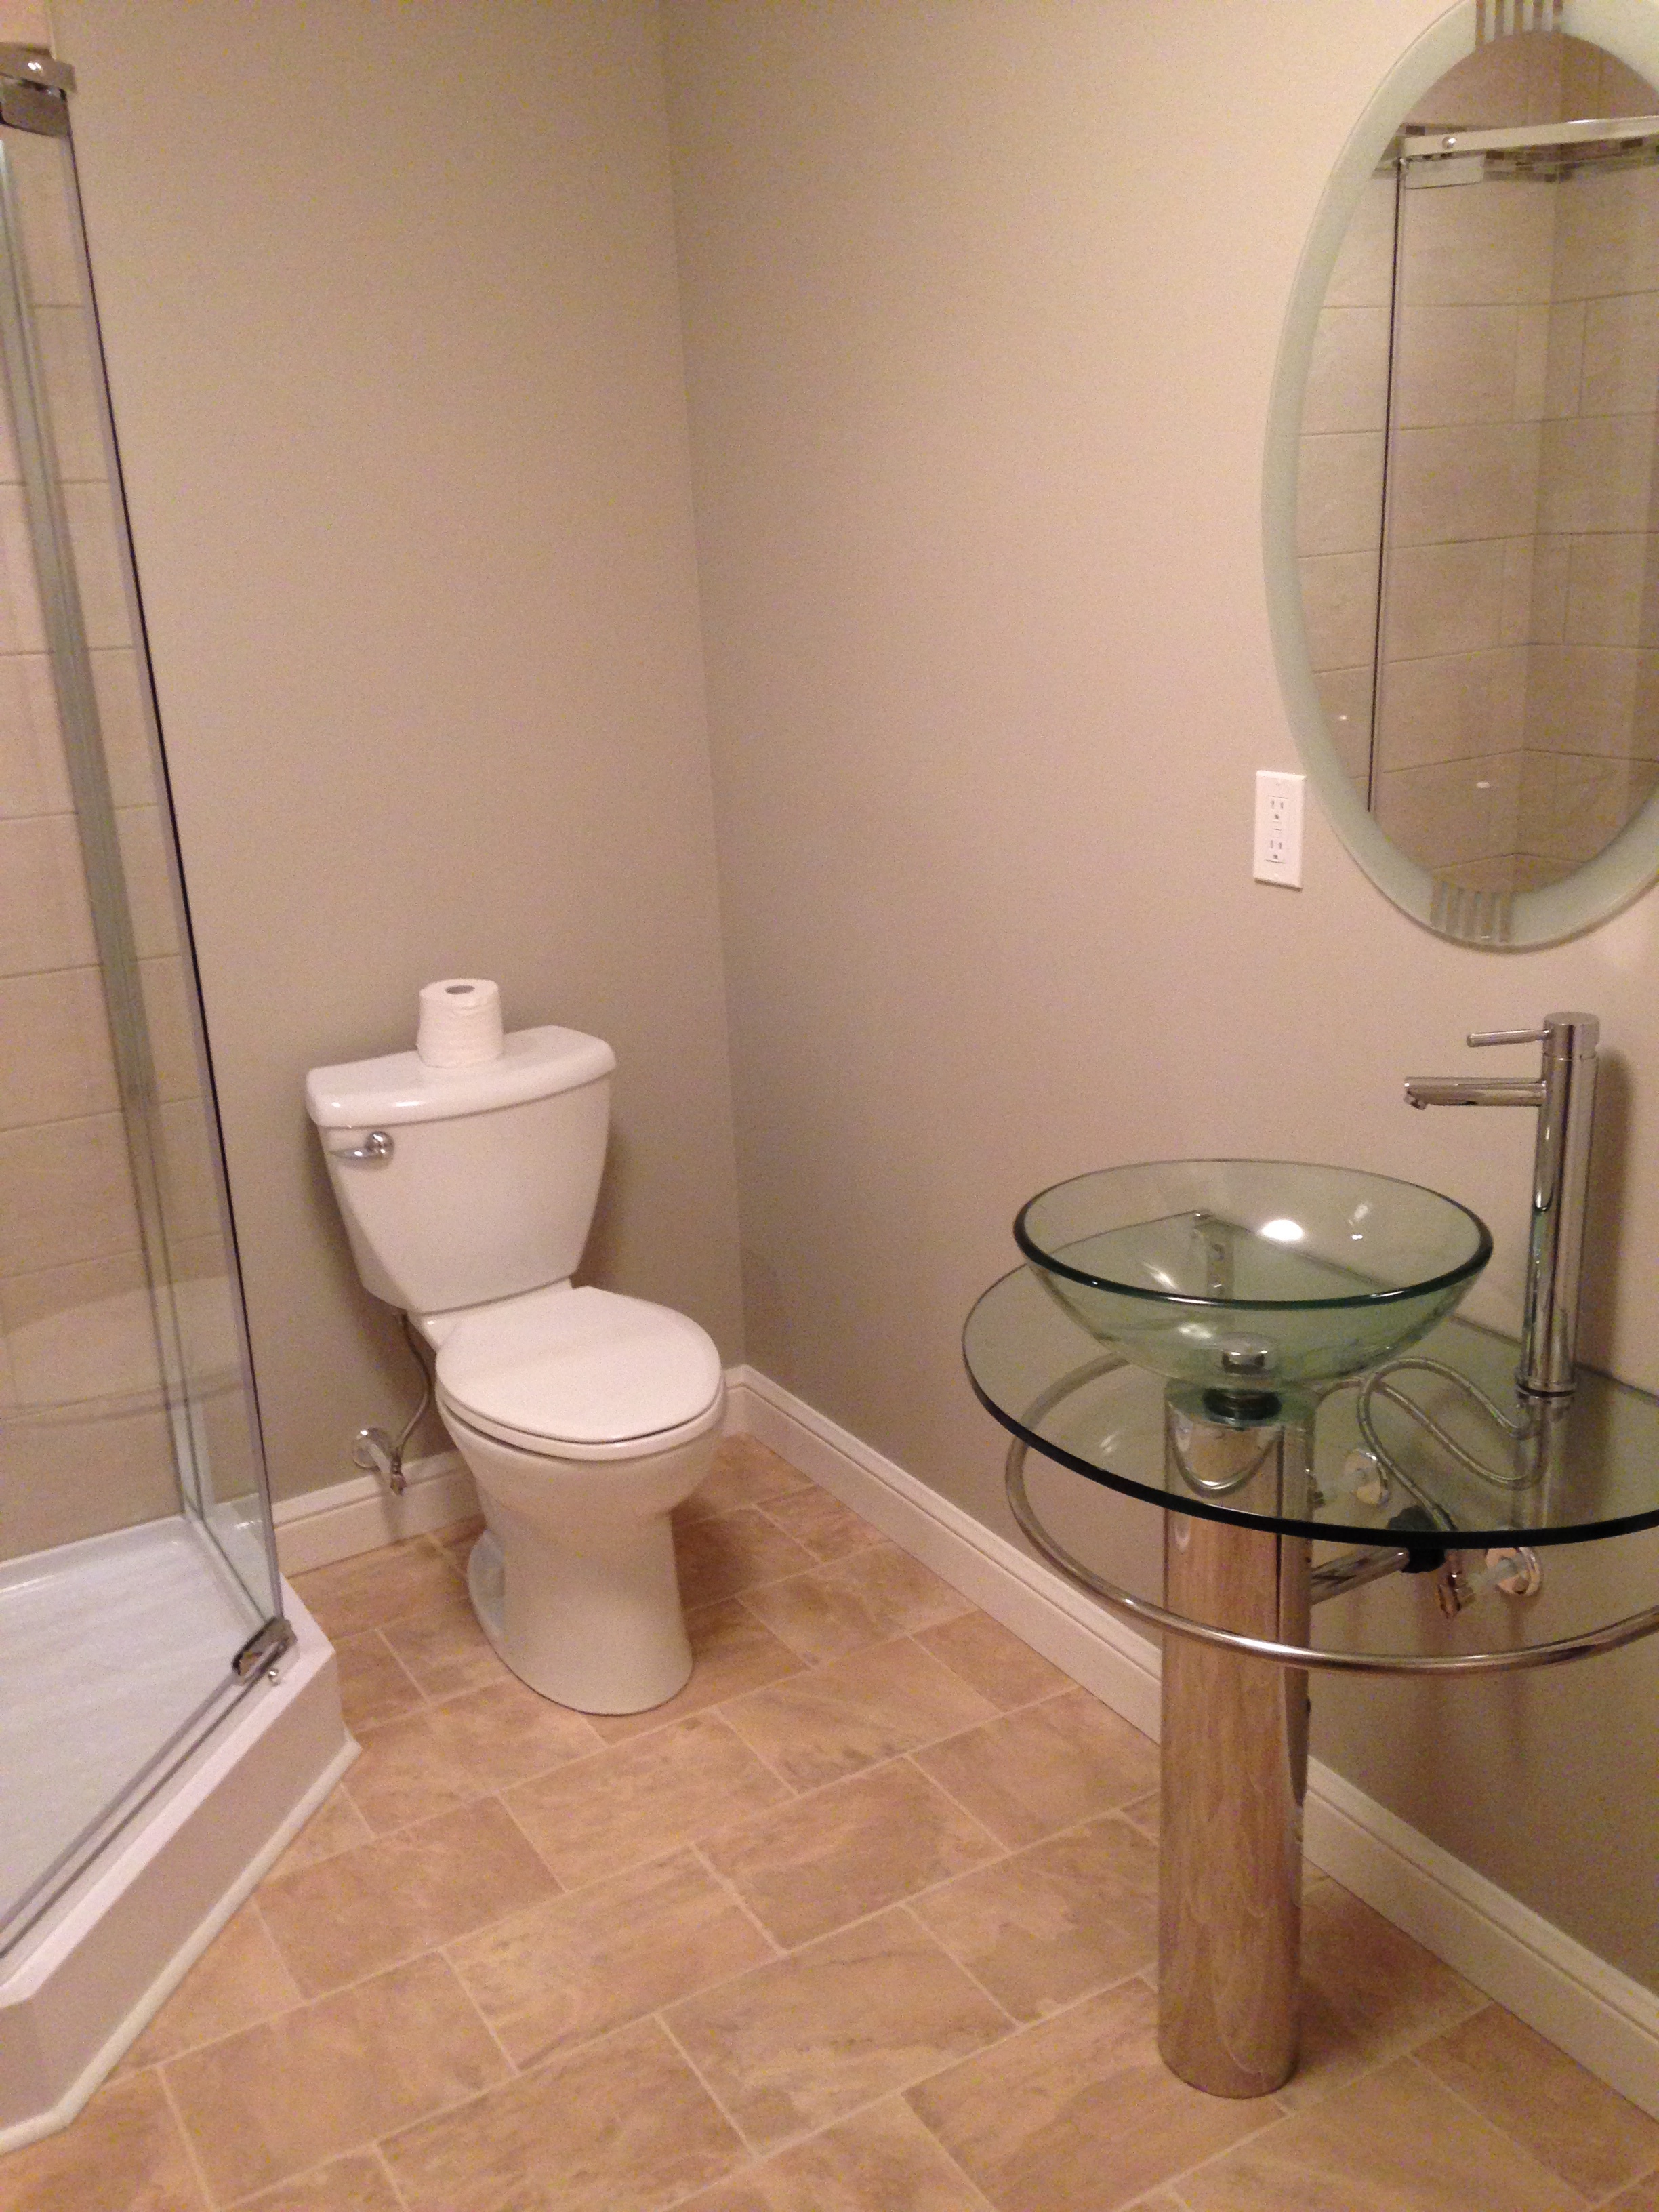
{"x": 1234, "y": 1761}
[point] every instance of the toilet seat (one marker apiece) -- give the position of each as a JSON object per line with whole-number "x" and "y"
{"x": 581, "y": 1374}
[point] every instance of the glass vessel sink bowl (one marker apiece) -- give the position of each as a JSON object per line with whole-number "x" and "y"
{"x": 1252, "y": 1275}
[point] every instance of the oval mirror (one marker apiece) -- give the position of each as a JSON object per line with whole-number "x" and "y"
{"x": 1463, "y": 475}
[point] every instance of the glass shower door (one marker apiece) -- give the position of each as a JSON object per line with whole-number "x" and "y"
{"x": 139, "y": 1599}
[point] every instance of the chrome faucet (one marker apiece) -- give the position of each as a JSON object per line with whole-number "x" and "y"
{"x": 1564, "y": 1094}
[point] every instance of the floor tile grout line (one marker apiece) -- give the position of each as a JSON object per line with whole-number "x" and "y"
{"x": 951, "y": 1797}
{"x": 369, "y": 2147}
{"x": 561, "y": 1886}
{"x": 814, "y": 1565}
{"x": 471, "y": 2097}
{"x": 858, "y": 1520}
{"x": 1016, "y": 2029}
{"x": 442, "y": 1951}
{"x": 990, "y": 1866}
{"x": 659, "y": 2017}
{"x": 1020, "y": 1705}
{"x": 798, "y": 1795}
{"x": 1611, "y": 2196}
{"x": 185, "y": 2136}
{"x": 963, "y": 1967}
{"x": 1172, "y": 2181}
{"x": 399, "y": 2195}
{"x": 731, "y": 1890}
{"x": 523, "y": 1782}
{"x": 803, "y": 1797}
{"x": 720, "y": 1512}
{"x": 430, "y": 1705}
{"x": 1366, "y": 2073}
{"x": 377, "y": 1837}
{"x": 791, "y": 2143}
{"x": 795, "y": 1789}
{"x": 358, "y": 1981}
{"x": 982, "y": 2197}
{"x": 631, "y": 2019}
{"x": 781, "y": 1951}
{"x": 189, "y": 2050}
{"x": 868, "y": 1651}
{"x": 829, "y": 1567}
{"x": 906, "y": 1897}
{"x": 787, "y": 1955}
{"x": 1415, "y": 2054}
{"x": 270, "y": 1935}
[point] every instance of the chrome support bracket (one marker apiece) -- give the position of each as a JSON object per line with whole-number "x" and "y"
{"x": 1370, "y": 1563}
{"x": 264, "y": 1649}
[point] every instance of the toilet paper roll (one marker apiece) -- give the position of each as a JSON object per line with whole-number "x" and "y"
{"x": 460, "y": 1021}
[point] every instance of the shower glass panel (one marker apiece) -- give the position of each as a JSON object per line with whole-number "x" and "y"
{"x": 138, "y": 1565}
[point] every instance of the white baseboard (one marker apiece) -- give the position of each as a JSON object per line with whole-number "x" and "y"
{"x": 321, "y": 1526}
{"x": 1597, "y": 2015}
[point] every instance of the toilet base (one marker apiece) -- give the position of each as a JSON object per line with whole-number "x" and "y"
{"x": 600, "y": 1631}
{"x": 486, "y": 1585}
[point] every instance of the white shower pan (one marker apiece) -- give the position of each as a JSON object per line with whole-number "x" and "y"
{"x": 88, "y": 1633}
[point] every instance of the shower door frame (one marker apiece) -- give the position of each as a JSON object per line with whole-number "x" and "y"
{"x": 33, "y": 100}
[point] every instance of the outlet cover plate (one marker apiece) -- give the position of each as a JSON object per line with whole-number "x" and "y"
{"x": 1278, "y": 842}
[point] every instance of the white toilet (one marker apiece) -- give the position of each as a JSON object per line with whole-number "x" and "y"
{"x": 585, "y": 1418}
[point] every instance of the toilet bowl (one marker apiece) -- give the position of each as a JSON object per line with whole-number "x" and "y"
{"x": 563, "y": 1405}
{"x": 584, "y": 1416}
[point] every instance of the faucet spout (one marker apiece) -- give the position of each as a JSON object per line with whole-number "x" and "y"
{"x": 1424, "y": 1090}
{"x": 1564, "y": 1096}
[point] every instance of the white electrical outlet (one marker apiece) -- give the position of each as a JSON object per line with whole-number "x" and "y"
{"x": 1279, "y": 827}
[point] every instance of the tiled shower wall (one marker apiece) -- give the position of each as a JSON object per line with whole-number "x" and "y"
{"x": 86, "y": 1445}
{"x": 1517, "y": 721}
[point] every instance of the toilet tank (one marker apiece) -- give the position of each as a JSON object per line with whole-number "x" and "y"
{"x": 493, "y": 1171}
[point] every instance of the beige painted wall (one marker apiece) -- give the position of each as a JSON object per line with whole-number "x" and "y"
{"x": 388, "y": 299}
{"x": 982, "y": 306}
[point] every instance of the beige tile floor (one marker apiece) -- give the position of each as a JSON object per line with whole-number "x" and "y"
{"x": 863, "y": 1921}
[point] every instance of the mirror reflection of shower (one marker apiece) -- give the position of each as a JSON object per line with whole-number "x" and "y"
{"x": 1477, "y": 509}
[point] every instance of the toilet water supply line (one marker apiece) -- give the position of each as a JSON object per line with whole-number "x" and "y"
{"x": 373, "y": 1451}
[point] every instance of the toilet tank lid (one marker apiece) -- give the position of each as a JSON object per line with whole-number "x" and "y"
{"x": 371, "y": 1094}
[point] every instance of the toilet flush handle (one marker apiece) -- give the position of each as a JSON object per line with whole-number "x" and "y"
{"x": 376, "y": 1145}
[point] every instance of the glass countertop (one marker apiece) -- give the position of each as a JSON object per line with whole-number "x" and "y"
{"x": 1586, "y": 1467}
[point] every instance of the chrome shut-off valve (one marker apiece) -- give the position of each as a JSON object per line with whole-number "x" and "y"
{"x": 1514, "y": 1569}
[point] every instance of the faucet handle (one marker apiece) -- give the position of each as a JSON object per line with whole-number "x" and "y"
{"x": 1509, "y": 1036}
